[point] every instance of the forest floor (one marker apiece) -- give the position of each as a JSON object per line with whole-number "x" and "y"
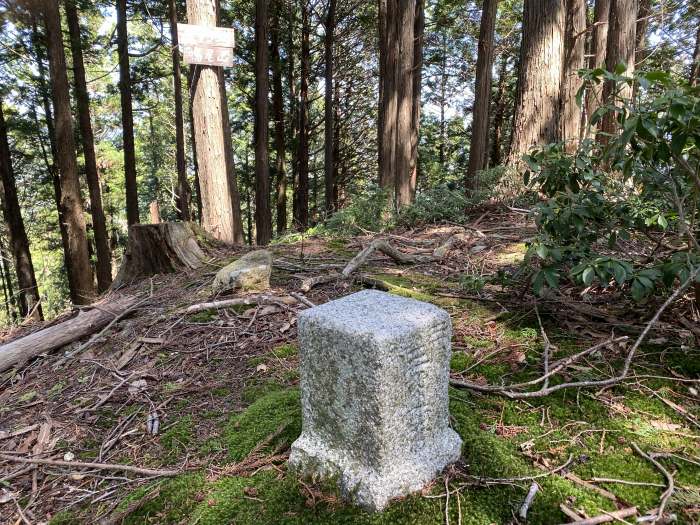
{"x": 222, "y": 388}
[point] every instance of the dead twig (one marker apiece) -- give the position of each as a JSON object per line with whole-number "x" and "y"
{"x": 98, "y": 466}
{"x": 252, "y": 300}
{"x": 511, "y": 392}
{"x": 670, "y": 483}
{"x": 525, "y": 507}
{"x": 607, "y": 516}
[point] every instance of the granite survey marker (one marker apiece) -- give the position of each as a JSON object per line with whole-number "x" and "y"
{"x": 374, "y": 379}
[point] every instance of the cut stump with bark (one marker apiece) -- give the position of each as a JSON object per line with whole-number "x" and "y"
{"x": 160, "y": 248}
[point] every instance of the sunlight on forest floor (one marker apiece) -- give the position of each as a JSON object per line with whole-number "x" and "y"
{"x": 230, "y": 418}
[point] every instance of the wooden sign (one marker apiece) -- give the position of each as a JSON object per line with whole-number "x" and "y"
{"x": 206, "y": 45}
{"x": 206, "y": 36}
{"x": 208, "y": 56}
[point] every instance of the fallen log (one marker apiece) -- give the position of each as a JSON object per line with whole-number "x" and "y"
{"x": 160, "y": 248}
{"x": 87, "y": 322}
{"x": 250, "y": 300}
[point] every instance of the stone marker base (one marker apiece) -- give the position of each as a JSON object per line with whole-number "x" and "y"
{"x": 369, "y": 488}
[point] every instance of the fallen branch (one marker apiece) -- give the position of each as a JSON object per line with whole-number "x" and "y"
{"x": 512, "y": 392}
{"x": 607, "y": 517}
{"x": 88, "y": 321}
{"x": 238, "y": 301}
{"x": 670, "y": 484}
{"x": 98, "y": 466}
{"x": 534, "y": 489}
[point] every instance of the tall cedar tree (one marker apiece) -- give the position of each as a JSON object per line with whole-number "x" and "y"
{"x": 29, "y": 299}
{"x": 571, "y": 82}
{"x": 328, "y": 163}
{"x": 263, "y": 220}
{"x": 183, "y": 192}
{"x": 620, "y": 50}
{"x": 695, "y": 65}
{"x": 404, "y": 125}
{"x": 599, "y": 42}
{"x": 536, "y": 119}
{"x": 499, "y": 112}
{"x": 388, "y": 97}
{"x": 220, "y": 215}
{"x": 278, "y": 117}
{"x": 482, "y": 94}
{"x": 80, "y": 277}
{"x": 99, "y": 224}
{"x": 301, "y": 186}
{"x": 132, "y": 195}
{"x": 419, "y": 37}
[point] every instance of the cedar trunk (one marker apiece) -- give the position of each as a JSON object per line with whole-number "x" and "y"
{"x": 620, "y": 49}
{"x": 328, "y": 107}
{"x": 219, "y": 216}
{"x": 263, "y": 219}
{"x": 301, "y": 191}
{"x": 388, "y": 56}
{"x": 404, "y": 121}
{"x": 695, "y": 66}
{"x": 183, "y": 192}
{"x": 29, "y": 300}
{"x": 80, "y": 278}
{"x": 499, "y": 113}
{"x": 482, "y": 94}
{"x": 132, "y": 196}
{"x": 574, "y": 51}
{"x": 419, "y": 36}
{"x": 99, "y": 224}
{"x": 599, "y": 42}
{"x": 278, "y": 117}
{"x": 539, "y": 80}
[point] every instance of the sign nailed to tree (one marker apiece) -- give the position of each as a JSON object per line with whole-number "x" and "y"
{"x": 205, "y": 45}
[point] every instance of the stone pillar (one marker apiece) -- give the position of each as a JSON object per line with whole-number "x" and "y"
{"x": 374, "y": 379}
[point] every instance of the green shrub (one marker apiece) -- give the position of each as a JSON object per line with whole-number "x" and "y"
{"x": 435, "y": 205}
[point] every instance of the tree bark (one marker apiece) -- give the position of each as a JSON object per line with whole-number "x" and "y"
{"x": 29, "y": 299}
{"x": 183, "y": 192}
{"x": 599, "y": 42}
{"x": 419, "y": 37}
{"x": 80, "y": 277}
{"x": 404, "y": 123}
{"x": 132, "y": 196}
{"x": 301, "y": 191}
{"x": 574, "y": 51}
{"x": 328, "y": 107}
{"x": 219, "y": 215}
{"x": 159, "y": 248}
{"x": 86, "y": 322}
{"x": 695, "y": 66}
{"x": 263, "y": 219}
{"x": 7, "y": 291}
{"x": 499, "y": 113}
{"x": 539, "y": 80}
{"x": 640, "y": 37}
{"x": 482, "y": 94}
{"x": 388, "y": 56}
{"x": 278, "y": 117}
{"x": 99, "y": 224}
{"x": 620, "y": 49}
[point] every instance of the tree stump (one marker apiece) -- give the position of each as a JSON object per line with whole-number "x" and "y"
{"x": 160, "y": 248}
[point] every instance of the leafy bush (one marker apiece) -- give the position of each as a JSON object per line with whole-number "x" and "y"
{"x": 369, "y": 210}
{"x": 643, "y": 179}
{"x": 434, "y": 205}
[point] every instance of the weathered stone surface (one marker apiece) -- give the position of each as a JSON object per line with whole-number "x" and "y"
{"x": 374, "y": 379}
{"x": 249, "y": 273}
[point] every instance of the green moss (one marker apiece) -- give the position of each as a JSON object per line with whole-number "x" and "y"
{"x": 274, "y": 410}
{"x": 178, "y": 436}
{"x": 65, "y": 517}
{"x": 286, "y": 350}
{"x": 254, "y": 389}
{"x": 204, "y": 316}
{"x": 176, "y": 500}
{"x": 459, "y": 361}
{"x": 221, "y": 391}
{"x": 339, "y": 246}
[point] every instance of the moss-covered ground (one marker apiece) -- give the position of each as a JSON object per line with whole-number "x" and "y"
{"x": 502, "y": 439}
{"x": 590, "y": 430}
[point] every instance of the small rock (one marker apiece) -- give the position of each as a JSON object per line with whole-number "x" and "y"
{"x": 68, "y": 456}
{"x": 249, "y": 273}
